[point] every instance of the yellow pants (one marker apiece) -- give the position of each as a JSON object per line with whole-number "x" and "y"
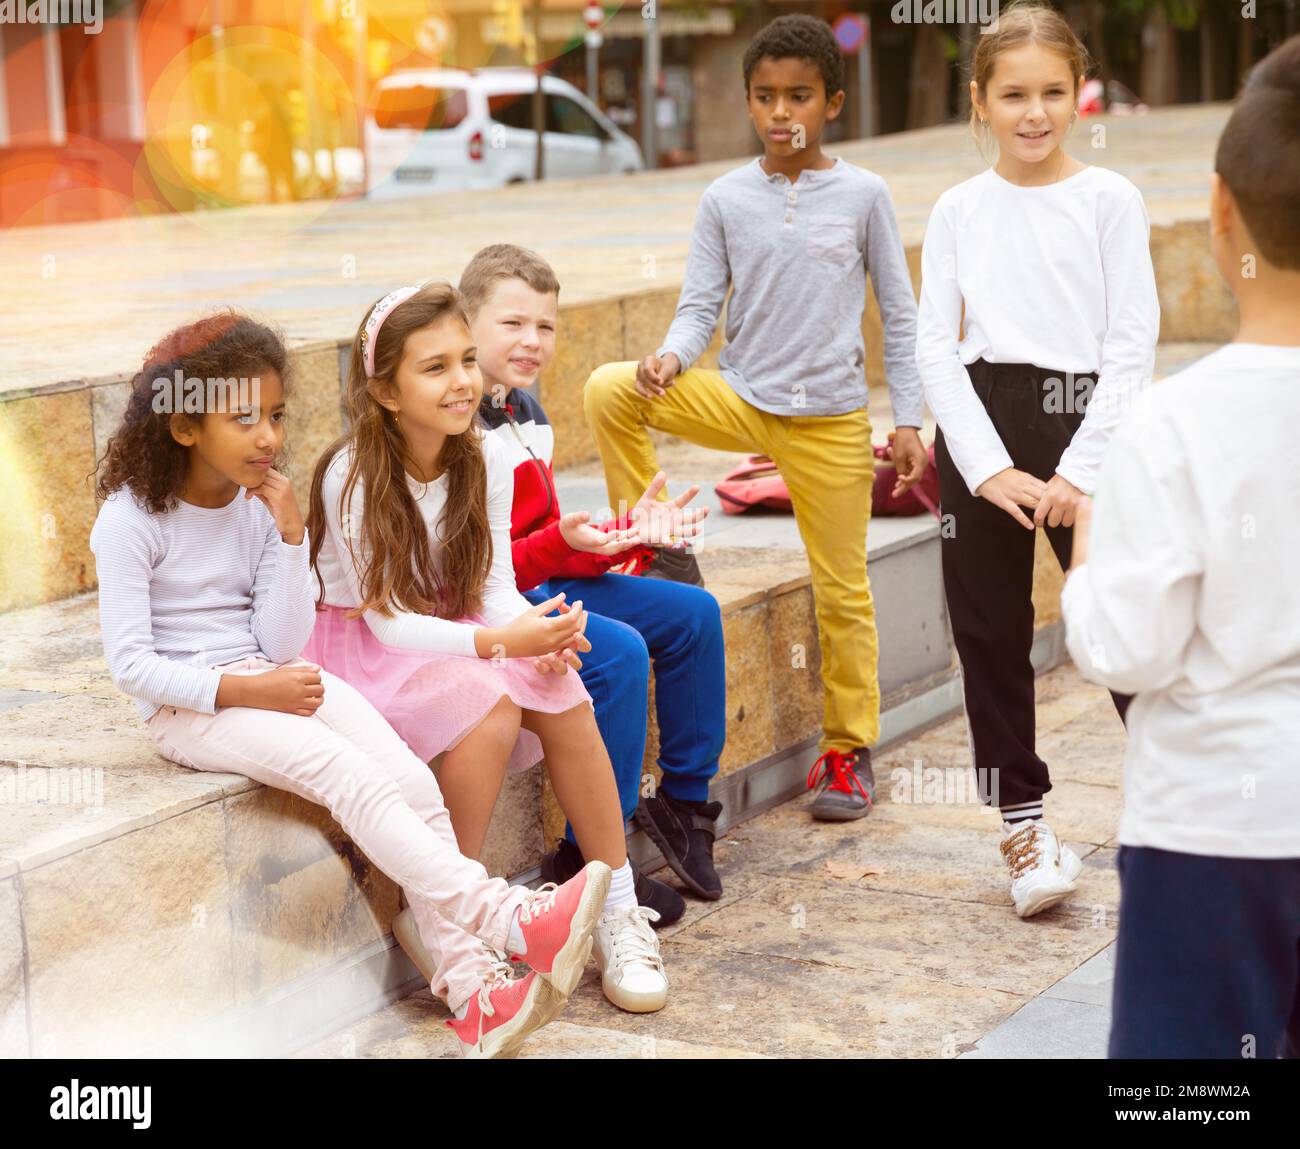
{"x": 827, "y": 464}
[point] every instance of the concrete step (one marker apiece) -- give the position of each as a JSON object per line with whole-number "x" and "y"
{"x": 257, "y": 920}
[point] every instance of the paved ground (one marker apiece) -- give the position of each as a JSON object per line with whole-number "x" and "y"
{"x": 891, "y": 937}
{"x": 85, "y": 301}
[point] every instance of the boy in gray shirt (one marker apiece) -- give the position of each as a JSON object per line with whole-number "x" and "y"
{"x": 794, "y": 234}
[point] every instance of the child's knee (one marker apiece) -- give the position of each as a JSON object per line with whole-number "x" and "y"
{"x": 704, "y": 613}
{"x": 502, "y": 721}
{"x": 625, "y": 661}
{"x": 606, "y": 385}
{"x": 634, "y": 663}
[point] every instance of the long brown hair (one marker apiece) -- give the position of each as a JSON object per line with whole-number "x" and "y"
{"x": 399, "y": 572}
{"x": 142, "y": 455}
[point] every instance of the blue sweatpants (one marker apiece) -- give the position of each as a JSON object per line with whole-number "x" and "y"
{"x": 1208, "y": 960}
{"x": 632, "y": 623}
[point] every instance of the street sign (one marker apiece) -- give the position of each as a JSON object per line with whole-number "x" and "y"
{"x": 850, "y": 32}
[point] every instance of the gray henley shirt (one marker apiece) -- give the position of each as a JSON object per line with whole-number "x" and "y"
{"x": 797, "y": 257}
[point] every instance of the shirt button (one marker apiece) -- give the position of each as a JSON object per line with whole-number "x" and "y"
{"x": 789, "y": 217}
{"x": 794, "y": 196}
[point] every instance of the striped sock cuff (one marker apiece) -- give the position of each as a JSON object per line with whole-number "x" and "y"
{"x": 1022, "y": 811}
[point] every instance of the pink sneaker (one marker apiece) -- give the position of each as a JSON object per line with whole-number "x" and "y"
{"x": 504, "y": 1012}
{"x": 557, "y": 923}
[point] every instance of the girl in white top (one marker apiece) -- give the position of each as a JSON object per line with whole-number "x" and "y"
{"x": 205, "y": 603}
{"x": 1038, "y": 304}
{"x": 410, "y": 517}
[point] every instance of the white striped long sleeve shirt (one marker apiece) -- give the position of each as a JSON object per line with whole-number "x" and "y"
{"x": 193, "y": 588}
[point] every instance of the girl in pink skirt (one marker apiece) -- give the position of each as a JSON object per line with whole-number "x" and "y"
{"x": 410, "y": 529}
{"x": 205, "y": 601}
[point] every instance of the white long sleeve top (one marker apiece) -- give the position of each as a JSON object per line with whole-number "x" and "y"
{"x": 192, "y": 588}
{"x": 502, "y": 602}
{"x": 1189, "y": 600}
{"x": 1059, "y": 276}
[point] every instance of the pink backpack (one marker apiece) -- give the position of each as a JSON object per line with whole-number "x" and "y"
{"x": 757, "y": 483}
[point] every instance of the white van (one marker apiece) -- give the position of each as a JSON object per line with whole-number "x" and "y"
{"x": 446, "y": 129}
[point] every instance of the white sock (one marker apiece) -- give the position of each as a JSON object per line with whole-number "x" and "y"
{"x": 461, "y": 1010}
{"x": 515, "y": 937}
{"x": 622, "y": 888}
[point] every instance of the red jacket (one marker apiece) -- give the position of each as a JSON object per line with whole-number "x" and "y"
{"x": 537, "y": 546}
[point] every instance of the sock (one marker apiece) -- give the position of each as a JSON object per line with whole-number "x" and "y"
{"x": 460, "y": 1011}
{"x": 515, "y": 937}
{"x": 622, "y": 888}
{"x": 1022, "y": 812}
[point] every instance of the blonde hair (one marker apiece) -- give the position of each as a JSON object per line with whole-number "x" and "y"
{"x": 1022, "y": 22}
{"x": 502, "y": 261}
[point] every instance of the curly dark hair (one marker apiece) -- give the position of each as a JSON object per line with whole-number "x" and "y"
{"x": 142, "y": 455}
{"x": 802, "y": 38}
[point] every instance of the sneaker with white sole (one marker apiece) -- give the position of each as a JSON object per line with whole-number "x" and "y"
{"x": 408, "y": 937}
{"x": 558, "y": 923}
{"x": 627, "y": 954}
{"x": 504, "y": 1012}
{"x": 1043, "y": 872}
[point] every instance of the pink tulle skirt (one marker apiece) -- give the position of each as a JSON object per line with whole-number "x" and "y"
{"x": 434, "y": 700}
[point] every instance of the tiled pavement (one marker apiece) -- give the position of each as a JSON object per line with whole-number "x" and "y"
{"x": 890, "y": 937}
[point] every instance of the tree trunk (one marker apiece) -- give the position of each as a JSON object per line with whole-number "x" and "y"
{"x": 1205, "y": 39}
{"x": 1158, "y": 59}
{"x": 927, "y": 101}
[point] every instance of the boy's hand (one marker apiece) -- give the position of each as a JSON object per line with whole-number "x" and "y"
{"x": 277, "y": 495}
{"x": 909, "y": 456}
{"x": 659, "y": 524}
{"x": 581, "y": 536}
{"x": 1082, "y": 528}
{"x": 1011, "y": 489}
{"x": 654, "y": 375}
{"x": 1059, "y": 503}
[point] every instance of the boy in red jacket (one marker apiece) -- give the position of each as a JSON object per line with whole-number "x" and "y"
{"x": 512, "y": 296}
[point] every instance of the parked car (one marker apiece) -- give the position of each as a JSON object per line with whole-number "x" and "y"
{"x": 447, "y": 129}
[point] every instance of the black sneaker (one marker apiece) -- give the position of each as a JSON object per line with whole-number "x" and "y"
{"x": 848, "y": 785}
{"x": 675, "y": 566}
{"x": 566, "y": 860}
{"x": 684, "y": 833}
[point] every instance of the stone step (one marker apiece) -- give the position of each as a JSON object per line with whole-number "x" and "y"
{"x": 257, "y": 920}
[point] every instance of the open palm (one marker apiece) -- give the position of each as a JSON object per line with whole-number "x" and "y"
{"x": 660, "y": 523}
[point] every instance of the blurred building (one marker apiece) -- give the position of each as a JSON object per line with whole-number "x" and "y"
{"x": 178, "y": 104}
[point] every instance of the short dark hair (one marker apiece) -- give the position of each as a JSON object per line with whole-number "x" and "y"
{"x": 800, "y": 38}
{"x": 1259, "y": 155}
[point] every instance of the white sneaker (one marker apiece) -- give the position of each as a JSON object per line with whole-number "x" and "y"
{"x": 1043, "y": 872}
{"x": 627, "y": 954}
{"x": 407, "y": 935}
